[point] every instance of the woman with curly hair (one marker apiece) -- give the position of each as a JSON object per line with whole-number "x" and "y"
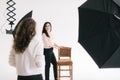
{"x": 27, "y": 52}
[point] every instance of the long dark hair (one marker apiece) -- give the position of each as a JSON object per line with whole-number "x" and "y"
{"x": 24, "y": 34}
{"x": 44, "y": 30}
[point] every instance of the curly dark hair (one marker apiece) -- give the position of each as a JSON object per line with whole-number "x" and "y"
{"x": 24, "y": 34}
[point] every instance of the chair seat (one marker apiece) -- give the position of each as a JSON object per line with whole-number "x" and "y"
{"x": 64, "y": 62}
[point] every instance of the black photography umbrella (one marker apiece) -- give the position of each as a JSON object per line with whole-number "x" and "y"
{"x": 99, "y": 31}
{"x": 29, "y": 14}
{"x": 117, "y": 2}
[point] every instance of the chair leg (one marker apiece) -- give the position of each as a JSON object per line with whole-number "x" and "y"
{"x": 58, "y": 72}
{"x": 71, "y": 72}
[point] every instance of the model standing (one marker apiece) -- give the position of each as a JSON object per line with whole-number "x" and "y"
{"x": 48, "y": 50}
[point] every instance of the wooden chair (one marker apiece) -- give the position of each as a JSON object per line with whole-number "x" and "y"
{"x": 64, "y": 60}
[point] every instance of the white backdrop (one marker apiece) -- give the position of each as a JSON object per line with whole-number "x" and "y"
{"x": 63, "y": 14}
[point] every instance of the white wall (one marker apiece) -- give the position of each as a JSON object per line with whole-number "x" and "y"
{"x": 63, "y": 14}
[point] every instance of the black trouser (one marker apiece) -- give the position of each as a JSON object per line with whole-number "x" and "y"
{"x": 31, "y": 77}
{"x": 50, "y": 58}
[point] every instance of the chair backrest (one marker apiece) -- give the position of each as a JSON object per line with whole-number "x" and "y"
{"x": 64, "y": 52}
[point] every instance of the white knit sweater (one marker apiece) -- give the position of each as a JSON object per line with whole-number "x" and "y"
{"x": 30, "y": 62}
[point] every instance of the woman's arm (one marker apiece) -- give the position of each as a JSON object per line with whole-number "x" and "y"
{"x": 39, "y": 58}
{"x": 12, "y": 61}
{"x": 56, "y": 46}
